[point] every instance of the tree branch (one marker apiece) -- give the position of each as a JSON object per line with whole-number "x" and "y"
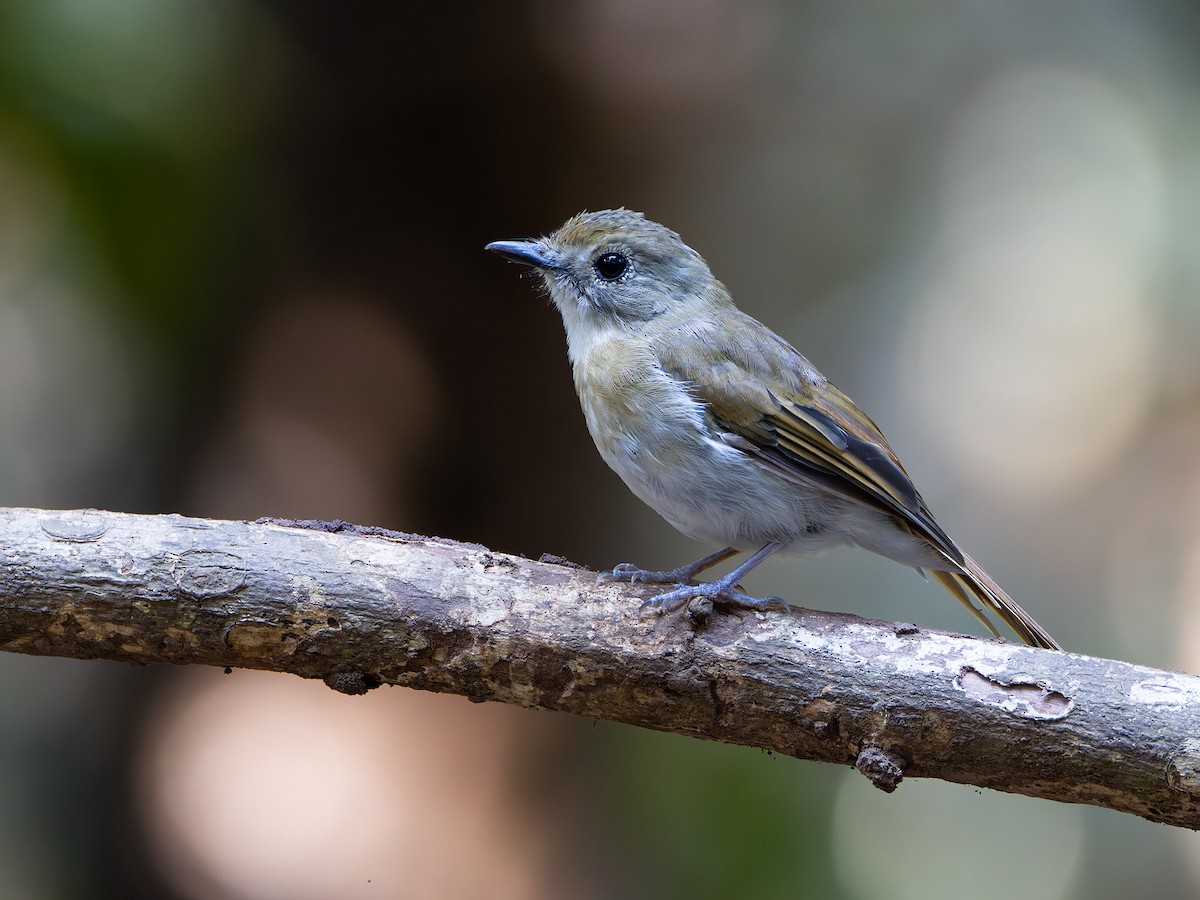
{"x": 363, "y": 607}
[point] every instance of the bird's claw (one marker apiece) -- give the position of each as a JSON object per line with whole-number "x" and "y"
{"x": 670, "y": 601}
{"x": 726, "y": 591}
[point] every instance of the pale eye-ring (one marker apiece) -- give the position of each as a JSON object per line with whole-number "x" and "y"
{"x": 611, "y": 266}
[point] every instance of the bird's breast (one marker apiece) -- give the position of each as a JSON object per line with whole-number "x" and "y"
{"x": 657, "y": 437}
{"x": 644, "y": 422}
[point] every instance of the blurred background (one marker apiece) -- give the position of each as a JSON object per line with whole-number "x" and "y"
{"x": 241, "y": 274}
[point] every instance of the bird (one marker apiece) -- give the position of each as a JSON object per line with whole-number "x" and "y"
{"x": 723, "y": 427}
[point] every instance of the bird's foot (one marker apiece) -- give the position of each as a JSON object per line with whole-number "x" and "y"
{"x": 634, "y": 575}
{"x": 720, "y": 591}
{"x": 681, "y": 576}
{"x": 724, "y": 590}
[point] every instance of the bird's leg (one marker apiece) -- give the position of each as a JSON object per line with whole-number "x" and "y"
{"x": 723, "y": 590}
{"x": 683, "y": 575}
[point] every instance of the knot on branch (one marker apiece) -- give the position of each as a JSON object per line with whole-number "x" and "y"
{"x": 353, "y": 683}
{"x": 884, "y": 768}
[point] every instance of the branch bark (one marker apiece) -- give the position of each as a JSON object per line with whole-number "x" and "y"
{"x": 362, "y": 607}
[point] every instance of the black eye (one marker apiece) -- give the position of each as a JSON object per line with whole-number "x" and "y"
{"x": 611, "y": 266}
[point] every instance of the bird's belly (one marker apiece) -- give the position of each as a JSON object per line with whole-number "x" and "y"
{"x": 699, "y": 489}
{"x": 665, "y": 453}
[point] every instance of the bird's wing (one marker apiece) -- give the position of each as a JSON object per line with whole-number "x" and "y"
{"x": 772, "y": 403}
{"x": 764, "y": 397}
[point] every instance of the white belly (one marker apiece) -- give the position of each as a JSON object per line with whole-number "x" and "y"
{"x": 658, "y": 439}
{"x": 654, "y": 435}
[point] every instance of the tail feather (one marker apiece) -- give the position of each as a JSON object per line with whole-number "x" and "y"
{"x": 973, "y": 582}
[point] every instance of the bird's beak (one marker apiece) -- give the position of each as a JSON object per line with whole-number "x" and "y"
{"x": 531, "y": 253}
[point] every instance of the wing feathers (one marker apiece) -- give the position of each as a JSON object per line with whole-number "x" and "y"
{"x": 868, "y": 468}
{"x": 774, "y": 405}
{"x": 976, "y": 583}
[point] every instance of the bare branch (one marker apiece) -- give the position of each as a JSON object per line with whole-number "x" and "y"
{"x": 363, "y": 607}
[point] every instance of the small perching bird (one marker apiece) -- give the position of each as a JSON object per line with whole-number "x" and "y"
{"x": 722, "y": 427}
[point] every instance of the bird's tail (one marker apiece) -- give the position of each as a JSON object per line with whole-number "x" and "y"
{"x": 972, "y": 583}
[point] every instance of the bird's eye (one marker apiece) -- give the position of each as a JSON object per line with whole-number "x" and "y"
{"x": 611, "y": 266}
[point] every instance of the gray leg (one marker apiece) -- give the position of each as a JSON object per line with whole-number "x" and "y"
{"x": 683, "y": 575}
{"x": 723, "y": 590}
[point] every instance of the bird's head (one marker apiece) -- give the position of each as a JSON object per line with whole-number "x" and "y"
{"x": 616, "y": 269}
